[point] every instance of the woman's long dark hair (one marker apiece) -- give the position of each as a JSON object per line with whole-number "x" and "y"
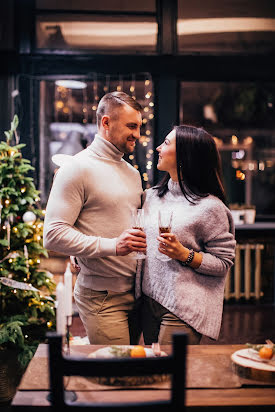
{"x": 198, "y": 165}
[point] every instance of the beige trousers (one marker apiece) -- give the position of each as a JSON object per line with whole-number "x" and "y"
{"x": 109, "y": 318}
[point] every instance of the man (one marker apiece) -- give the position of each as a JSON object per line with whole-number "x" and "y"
{"x": 89, "y": 216}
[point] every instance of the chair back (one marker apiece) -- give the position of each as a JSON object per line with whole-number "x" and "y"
{"x": 61, "y": 365}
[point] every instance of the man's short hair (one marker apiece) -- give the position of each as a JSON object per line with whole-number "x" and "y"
{"x": 112, "y": 101}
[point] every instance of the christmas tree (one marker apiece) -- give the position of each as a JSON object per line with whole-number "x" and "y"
{"x": 26, "y": 302}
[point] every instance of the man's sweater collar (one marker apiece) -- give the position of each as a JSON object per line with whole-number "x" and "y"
{"x": 105, "y": 149}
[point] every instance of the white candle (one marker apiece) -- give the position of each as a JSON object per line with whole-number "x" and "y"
{"x": 60, "y": 309}
{"x": 68, "y": 281}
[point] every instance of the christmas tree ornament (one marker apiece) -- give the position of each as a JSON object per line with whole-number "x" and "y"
{"x": 29, "y": 217}
{"x": 8, "y": 226}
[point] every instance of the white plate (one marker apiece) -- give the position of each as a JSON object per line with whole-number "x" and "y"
{"x": 107, "y": 352}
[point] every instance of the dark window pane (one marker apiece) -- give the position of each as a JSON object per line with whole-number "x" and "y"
{"x": 241, "y": 116}
{"x": 107, "y": 34}
{"x": 226, "y": 26}
{"x": 7, "y": 25}
{"x": 95, "y": 5}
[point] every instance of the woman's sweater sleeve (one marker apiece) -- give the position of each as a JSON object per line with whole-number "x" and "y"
{"x": 64, "y": 206}
{"x": 218, "y": 245}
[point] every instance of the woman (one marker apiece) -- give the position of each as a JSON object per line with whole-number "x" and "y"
{"x": 186, "y": 293}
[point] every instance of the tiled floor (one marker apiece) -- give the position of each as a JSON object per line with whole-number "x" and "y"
{"x": 241, "y": 323}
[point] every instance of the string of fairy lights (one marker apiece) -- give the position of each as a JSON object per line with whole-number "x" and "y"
{"x": 77, "y": 101}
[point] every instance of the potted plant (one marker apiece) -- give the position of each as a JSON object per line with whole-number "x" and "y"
{"x": 26, "y": 292}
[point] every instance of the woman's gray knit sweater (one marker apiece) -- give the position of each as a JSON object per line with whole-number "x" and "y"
{"x": 194, "y": 295}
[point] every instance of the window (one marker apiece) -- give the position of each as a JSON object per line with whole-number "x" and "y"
{"x": 101, "y": 34}
{"x": 68, "y": 121}
{"x": 243, "y": 26}
{"x": 241, "y": 117}
{"x": 95, "y": 5}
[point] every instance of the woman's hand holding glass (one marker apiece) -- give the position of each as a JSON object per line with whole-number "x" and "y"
{"x": 164, "y": 224}
{"x": 170, "y": 246}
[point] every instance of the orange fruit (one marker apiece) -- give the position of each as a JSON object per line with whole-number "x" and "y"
{"x": 138, "y": 352}
{"x": 266, "y": 353}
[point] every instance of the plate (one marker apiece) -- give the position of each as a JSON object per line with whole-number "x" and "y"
{"x": 106, "y": 353}
{"x": 248, "y": 364}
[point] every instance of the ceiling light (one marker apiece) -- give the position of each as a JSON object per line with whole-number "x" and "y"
{"x": 71, "y": 84}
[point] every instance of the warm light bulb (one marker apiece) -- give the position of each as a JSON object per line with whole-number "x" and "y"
{"x": 59, "y": 104}
{"x": 234, "y": 140}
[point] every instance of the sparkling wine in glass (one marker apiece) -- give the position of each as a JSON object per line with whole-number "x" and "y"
{"x": 138, "y": 223}
{"x": 165, "y": 223}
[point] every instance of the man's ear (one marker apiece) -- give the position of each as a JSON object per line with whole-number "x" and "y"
{"x": 105, "y": 121}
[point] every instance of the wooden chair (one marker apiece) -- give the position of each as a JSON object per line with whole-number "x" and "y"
{"x": 62, "y": 365}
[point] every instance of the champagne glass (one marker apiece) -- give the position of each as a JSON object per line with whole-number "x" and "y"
{"x": 165, "y": 222}
{"x": 138, "y": 223}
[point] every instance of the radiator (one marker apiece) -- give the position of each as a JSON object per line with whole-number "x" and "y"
{"x": 244, "y": 278}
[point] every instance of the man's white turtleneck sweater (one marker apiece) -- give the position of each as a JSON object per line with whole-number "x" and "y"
{"x": 88, "y": 208}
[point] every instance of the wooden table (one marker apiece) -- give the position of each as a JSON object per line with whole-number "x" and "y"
{"x": 211, "y": 383}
